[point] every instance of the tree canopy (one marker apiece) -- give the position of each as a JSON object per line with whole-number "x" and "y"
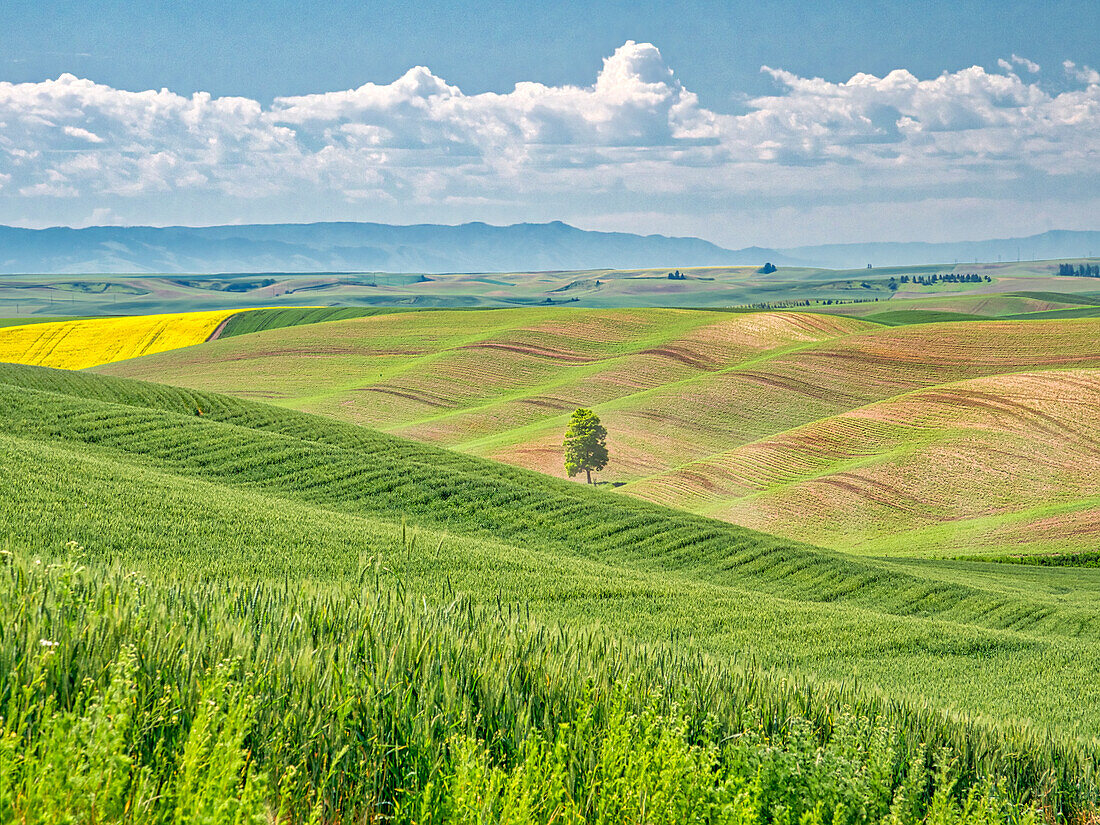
{"x": 585, "y": 444}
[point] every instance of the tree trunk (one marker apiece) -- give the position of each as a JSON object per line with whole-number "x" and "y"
{"x": 589, "y": 474}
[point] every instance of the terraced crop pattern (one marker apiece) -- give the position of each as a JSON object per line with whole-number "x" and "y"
{"x": 88, "y": 342}
{"x": 902, "y": 440}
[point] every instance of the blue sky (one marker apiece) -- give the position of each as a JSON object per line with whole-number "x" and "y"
{"x": 634, "y": 116}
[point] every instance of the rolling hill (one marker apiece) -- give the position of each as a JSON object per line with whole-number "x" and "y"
{"x": 291, "y": 617}
{"x": 1006, "y": 463}
{"x": 906, "y": 440}
{"x": 250, "y": 492}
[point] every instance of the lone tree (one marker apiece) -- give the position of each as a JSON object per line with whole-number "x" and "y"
{"x": 585, "y": 444}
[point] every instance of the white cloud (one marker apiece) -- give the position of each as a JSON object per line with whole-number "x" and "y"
{"x": 635, "y": 141}
{"x": 1082, "y": 74}
{"x": 82, "y": 134}
{"x": 1030, "y": 65}
{"x": 46, "y": 188}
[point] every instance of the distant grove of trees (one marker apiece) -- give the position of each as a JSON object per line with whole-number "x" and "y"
{"x": 1081, "y": 270}
{"x": 805, "y": 302}
{"x": 676, "y": 276}
{"x": 929, "y": 280}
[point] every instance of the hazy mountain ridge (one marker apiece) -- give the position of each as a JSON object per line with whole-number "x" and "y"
{"x": 471, "y": 247}
{"x": 1058, "y": 243}
{"x": 338, "y": 247}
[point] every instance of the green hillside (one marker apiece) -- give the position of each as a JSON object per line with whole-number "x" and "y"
{"x": 1073, "y": 312}
{"x": 899, "y": 317}
{"x": 280, "y": 493}
{"x": 261, "y": 319}
{"x": 252, "y": 504}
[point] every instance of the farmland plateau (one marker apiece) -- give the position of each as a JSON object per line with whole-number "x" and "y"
{"x": 265, "y": 562}
{"x": 899, "y": 287}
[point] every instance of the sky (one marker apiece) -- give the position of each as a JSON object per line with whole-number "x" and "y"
{"x": 774, "y": 124}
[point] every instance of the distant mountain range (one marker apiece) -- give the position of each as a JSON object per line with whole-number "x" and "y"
{"x": 471, "y": 247}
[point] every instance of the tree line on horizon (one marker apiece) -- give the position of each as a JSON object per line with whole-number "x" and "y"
{"x": 930, "y": 280}
{"x": 1080, "y": 271}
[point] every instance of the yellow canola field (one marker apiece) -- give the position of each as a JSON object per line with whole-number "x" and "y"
{"x": 74, "y": 345}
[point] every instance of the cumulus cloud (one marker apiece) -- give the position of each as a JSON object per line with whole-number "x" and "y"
{"x": 633, "y": 135}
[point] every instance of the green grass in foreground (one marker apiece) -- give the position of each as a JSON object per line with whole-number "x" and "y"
{"x": 256, "y": 529}
{"x": 129, "y": 700}
{"x": 251, "y": 491}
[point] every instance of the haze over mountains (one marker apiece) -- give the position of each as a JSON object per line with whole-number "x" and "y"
{"x": 471, "y": 247}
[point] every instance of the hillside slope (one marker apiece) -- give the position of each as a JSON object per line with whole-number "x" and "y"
{"x": 245, "y": 490}
{"x": 687, "y": 395}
